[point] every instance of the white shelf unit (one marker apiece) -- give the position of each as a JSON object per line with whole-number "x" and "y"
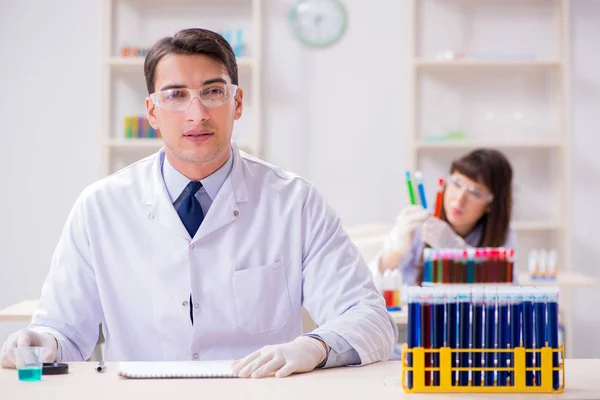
{"x": 443, "y": 64}
{"x": 486, "y": 73}
{"x": 140, "y": 23}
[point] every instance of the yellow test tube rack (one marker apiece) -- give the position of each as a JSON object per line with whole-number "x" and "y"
{"x": 518, "y": 368}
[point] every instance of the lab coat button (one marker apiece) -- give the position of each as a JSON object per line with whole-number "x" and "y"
{"x": 236, "y": 213}
{"x": 192, "y": 246}
{"x": 197, "y": 305}
{"x": 196, "y": 356}
{"x": 151, "y": 216}
{"x": 185, "y": 303}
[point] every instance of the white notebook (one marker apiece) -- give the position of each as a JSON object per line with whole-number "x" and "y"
{"x": 176, "y": 369}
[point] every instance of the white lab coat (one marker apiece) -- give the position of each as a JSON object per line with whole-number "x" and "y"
{"x": 268, "y": 245}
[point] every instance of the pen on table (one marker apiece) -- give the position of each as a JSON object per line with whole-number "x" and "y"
{"x": 100, "y": 367}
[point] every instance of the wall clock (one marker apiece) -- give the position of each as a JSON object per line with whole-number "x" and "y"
{"x": 318, "y": 23}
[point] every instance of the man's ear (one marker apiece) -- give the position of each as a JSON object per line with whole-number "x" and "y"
{"x": 151, "y": 113}
{"x": 239, "y": 104}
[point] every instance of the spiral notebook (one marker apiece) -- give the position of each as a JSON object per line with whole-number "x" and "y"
{"x": 176, "y": 369}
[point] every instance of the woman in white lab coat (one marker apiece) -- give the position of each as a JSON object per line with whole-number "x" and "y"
{"x": 476, "y": 211}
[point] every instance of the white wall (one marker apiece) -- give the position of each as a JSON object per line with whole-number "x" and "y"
{"x": 49, "y": 77}
{"x": 586, "y": 170}
{"x": 335, "y": 116}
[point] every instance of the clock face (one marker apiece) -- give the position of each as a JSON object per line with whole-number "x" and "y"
{"x": 318, "y": 23}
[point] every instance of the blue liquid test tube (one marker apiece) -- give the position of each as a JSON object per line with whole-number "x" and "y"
{"x": 471, "y": 265}
{"x": 439, "y": 300}
{"x": 427, "y": 265}
{"x": 539, "y": 318}
{"x": 477, "y": 332}
{"x": 527, "y": 312}
{"x": 516, "y": 299}
{"x": 464, "y": 332}
{"x": 489, "y": 340}
{"x": 452, "y": 326}
{"x": 421, "y": 188}
{"x": 503, "y": 332}
{"x": 413, "y": 329}
{"x": 552, "y": 329}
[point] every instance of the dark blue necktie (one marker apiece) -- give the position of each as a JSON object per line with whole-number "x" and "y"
{"x": 189, "y": 210}
{"x": 191, "y": 215}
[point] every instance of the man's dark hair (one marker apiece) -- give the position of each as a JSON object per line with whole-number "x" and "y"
{"x": 190, "y": 42}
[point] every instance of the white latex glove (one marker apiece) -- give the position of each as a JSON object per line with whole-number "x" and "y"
{"x": 302, "y": 354}
{"x": 438, "y": 234}
{"x": 27, "y": 338}
{"x": 408, "y": 220}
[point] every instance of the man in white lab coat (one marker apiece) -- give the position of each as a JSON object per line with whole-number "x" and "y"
{"x": 202, "y": 252}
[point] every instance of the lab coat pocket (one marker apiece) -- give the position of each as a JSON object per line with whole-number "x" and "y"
{"x": 262, "y": 298}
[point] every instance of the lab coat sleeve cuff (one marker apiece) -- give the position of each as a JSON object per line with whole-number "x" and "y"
{"x": 67, "y": 351}
{"x": 56, "y": 335}
{"x": 340, "y": 351}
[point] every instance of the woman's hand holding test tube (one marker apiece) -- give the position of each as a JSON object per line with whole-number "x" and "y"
{"x": 402, "y": 235}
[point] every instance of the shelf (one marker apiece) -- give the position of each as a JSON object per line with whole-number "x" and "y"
{"x": 567, "y": 278}
{"x": 139, "y": 62}
{"x": 468, "y": 144}
{"x": 540, "y": 225}
{"x": 142, "y": 143}
{"x": 442, "y": 64}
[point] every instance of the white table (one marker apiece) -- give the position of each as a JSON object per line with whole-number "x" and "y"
{"x": 337, "y": 383}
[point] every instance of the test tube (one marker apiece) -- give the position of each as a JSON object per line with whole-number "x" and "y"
{"x": 411, "y": 191}
{"x": 503, "y": 332}
{"x": 413, "y": 328}
{"x": 470, "y": 265}
{"x": 439, "y": 300}
{"x": 464, "y": 332}
{"x": 539, "y": 309}
{"x": 552, "y": 329}
{"x": 397, "y": 284}
{"x": 479, "y": 266}
{"x": 388, "y": 288}
{"x": 427, "y": 265}
{"x": 527, "y": 313}
{"x": 447, "y": 269}
{"x": 490, "y": 296}
{"x": 452, "y": 326}
{"x": 510, "y": 262}
{"x": 440, "y": 265}
{"x": 533, "y": 264}
{"x": 516, "y": 299}
{"x": 421, "y": 188}
{"x": 439, "y": 198}
{"x": 477, "y": 331}
{"x": 502, "y": 265}
{"x": 552, "y": 264}
{"x": 425, "y": 299}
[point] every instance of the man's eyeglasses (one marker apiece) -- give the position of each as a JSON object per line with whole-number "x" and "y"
{"x": 211, "y": 96}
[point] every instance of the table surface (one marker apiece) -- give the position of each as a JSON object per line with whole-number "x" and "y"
{"x": 22, "y": 311}
{"x": 347, "y": 383}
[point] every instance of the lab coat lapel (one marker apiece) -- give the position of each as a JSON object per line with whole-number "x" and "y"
{"x": 161, "y": 209}
{"x": 224, "y": 208}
